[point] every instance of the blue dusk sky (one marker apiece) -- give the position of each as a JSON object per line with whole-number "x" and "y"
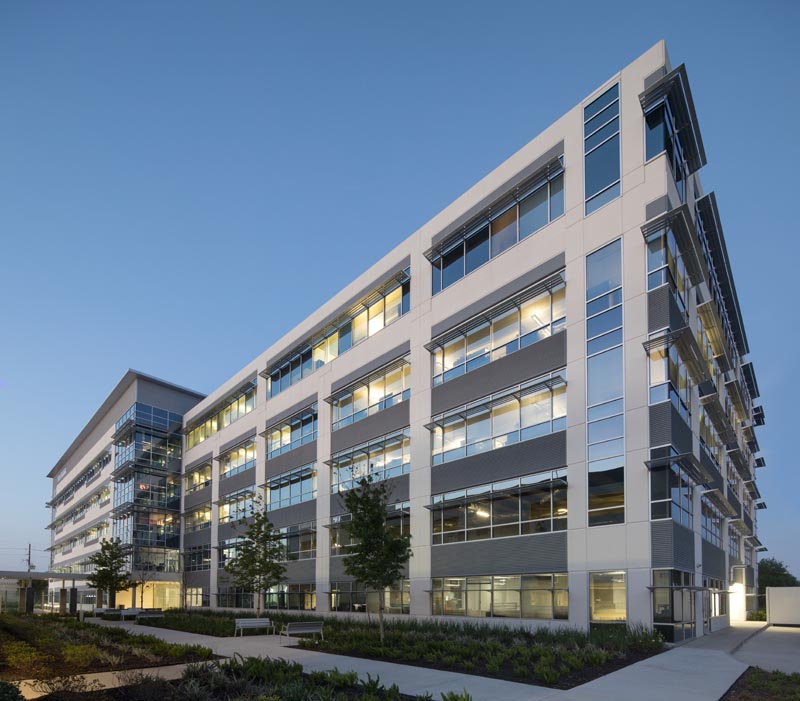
{"x": 183, "y": 182}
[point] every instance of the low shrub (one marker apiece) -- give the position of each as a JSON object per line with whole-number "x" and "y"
{"x": 10, "y": 692}
{"x": 25, "y": 659}
{"x": 760, "y": 615}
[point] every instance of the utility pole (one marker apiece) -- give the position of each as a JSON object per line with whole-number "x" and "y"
{"x": 29, "y": 557}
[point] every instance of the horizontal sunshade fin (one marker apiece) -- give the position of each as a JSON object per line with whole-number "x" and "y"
{"x": 682, "y": 224}
{"x": 548, "y": 284}
{"x": 366, "y": 379}
{"x": 693, "y": 467}
{"x": 553, "y": 167}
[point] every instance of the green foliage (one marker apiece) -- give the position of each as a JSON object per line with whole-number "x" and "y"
{"x": 379, "y": 553}
{"x": 760, "y": 615}
{"x": 110, "y": 573}
{"x": 759, "y": 685}
{"x": 773, "y": 573}
{"x": 258, "y": 565}
{"x": 25, "y": 659}
{"x": 80, "y": 656}
{"x": 10, "y": 692}
{"x": 456, "y": 696}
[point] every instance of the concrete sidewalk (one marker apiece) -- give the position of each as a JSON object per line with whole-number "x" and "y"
{"x": 701, "y": 670}
{"x": 776, "y": 648}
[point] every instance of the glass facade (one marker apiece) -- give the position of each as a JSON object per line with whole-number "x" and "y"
{"x": 498, "y": 332}
{"x": 531, "y": 211}
{"x": 671, "y": 494}
{"x": 663, "y": 136}
{"x": 674, "y": 604}
{"x": 543, "y": 596}
{"x": 711, "y": 522}
{"x": 398, "y": 518}
{"x": 520, "y": 506}
{"x": 237, "y": 505}
{"x": 605, "y": 386}
{"x": 669, "y": 379}
{"x": 354, "y": 597}
{"x": 238, "y": 459}
{"x": 532, "y": 409}
{"x": 197, "y": 519}
{"x": 382, "y": 308}
{"x": 373, "y": 393}
{"x": 295, "y": 431}
{"x": 292, "y": 597}
{"x": 198, "y": 478}
{"x": 382, "y": 458}
{"x": 665, "y": 266}
{"x": 197, "y": 558}
{"x": 292, "y": 487}
{"x": 300, "y": 540}
{"x": 224, "y": 415}
{"x": 601, "y": 160}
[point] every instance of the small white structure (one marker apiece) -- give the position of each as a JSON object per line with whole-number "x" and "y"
{"x": 783, "y": 606}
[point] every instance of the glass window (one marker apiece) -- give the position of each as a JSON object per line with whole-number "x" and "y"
{"x": 533, "y": 212}
{"x": 601, "y": 146}
{"x": 453, "y": 265}
{"x": 605, "y": 376}
{"x": 504, "y": 231}
{"x": 607, "y": 597}
{"x": 477, "y": 249}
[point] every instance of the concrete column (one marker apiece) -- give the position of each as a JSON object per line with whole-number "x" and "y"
{"x": 62, "y": 601}
{"x": 73, "y": 600}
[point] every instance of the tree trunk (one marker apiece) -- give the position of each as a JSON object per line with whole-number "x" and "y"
{"x": 112, "y": 599}
{"x": 380, "y": 618}
{"x": 259, "y": 603}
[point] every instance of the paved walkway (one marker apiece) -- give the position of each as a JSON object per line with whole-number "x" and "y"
{"x": 777, "y": 647}
{"x": 701, "y": 670}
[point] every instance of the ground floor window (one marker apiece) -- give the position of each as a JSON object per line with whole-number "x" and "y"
{"x": 195, "y": 597}
{"x": 298, "y": 597}
{"x": 502, "y": 596}
{"x": 233, "y": 597}
{"x": 607, "y": 597}
{"x": 354, "y": 597}
{"x": 674, "y": 604}
{"x": 715, "y": 596}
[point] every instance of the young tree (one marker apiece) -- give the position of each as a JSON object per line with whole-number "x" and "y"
{"x": 773, "y": 573}
{"x": 379, "y": 553}
{"x": 110, "y": 573}
{"x": 258, "y": 565}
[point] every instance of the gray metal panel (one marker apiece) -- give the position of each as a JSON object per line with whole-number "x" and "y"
{"x": 749, "y": 576}
{"x": 544, "y": 453}
{"x": 733, "y": 500}
{"x": 301, "y": 571}
{"x": 713, "y": 561}
{"x": 530, "y": 170}
{"x": 393, "y": 270}
{"x": 296, "y": 513}
{"x": 711, "y": 467}
{"x": 545, "y": 356}
{"x": 337, "y": 570}
{"x": 658, "y": 309}
{"x": 671, "y": 546}
{"x": 198, "y": 579}
{"x": 684, "y": 548}
{"x": 392, "y": 419}
{"x": 236, "y": 482}
{"x": 193, "y": 499}
{"x": 528, "y": 554}
{"x": 230, "y": 530}
{"x": 654, "y": 77}
{"x": 298, "y": 457}
{"x": 662, "y": 544}
{"x": 667, "y": 427}
{"x": 372, "y": 365}
{"x": 676, "y": 318}
{"x": 201, "y": 537}
{"x": 196, "y": 463}
{"x": 531, "y": 277}
{"x": 292, "y": 410}
{"x": 239, "y": 439}
{"x": 658, "y": 206}
{"x": 398, "y": 491}
{"x": 748, "y": 520}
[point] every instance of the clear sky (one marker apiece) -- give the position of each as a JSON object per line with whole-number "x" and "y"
{"x": 183, "y": 182}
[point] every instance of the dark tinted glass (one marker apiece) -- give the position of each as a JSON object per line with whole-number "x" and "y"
{"x": 477, "y": 249}
{"x": 601, "y": 135}
{"x": 436, "y": 277}
{"x": 556, "y": 197}
{"x": 504, "y": 231}
{"x": 345, "y": 337}
{"x": 604, "y": 100}
{"x": 602, "y": 166}
{"x": 604, "y": 270}
{"x": 452, "y": 266}
{"x": 655, "y": 140}
{"x": 406, "y": 305}
{"x": 533, "y": 212}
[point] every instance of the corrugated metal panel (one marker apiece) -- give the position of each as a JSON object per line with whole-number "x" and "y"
{"x": 546, "y": 552}
{"x": 301, "y": 571}
{"x": 683, "y": 539}
{"x": 236, "y": 482}
{"x": 658, "y": 309}
{"x": 193, "y": 499}
{"x": 392, "y": 419}
{"x": 201, "y": 537}
{"x": 292, "y": 410}
{"x": 681, "y": 433}
{"x": 660, "y": 425}
{"x": 662, "y": 551}
{"x": 545, "y": 356}
{"x": 196, "y": 463}
{"x": 713, "y": 561}
{"x": 337, "y": 570}
{"x": 398, "y": 491}
{"x": 296, "y": 513}
{"x": 711, "y": 467}
{"x": 298, "y": 457}
{"x": 545, "y": 453}
{"x": 198, "y": 579}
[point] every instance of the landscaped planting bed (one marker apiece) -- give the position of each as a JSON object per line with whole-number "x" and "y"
{"x": 250, "y": 679}
{"x": 758, "y": 685}
{"x": 220, "y": 625}
{"x": 38, "y": 647}
{"x": 559, "y": 658}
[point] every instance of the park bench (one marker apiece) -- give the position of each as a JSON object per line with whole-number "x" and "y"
{"x": 302, "y": 628}
{"x": 245, "y": 623}
{"x": 149, "y": 613}
{"x": 125, "y": 614}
